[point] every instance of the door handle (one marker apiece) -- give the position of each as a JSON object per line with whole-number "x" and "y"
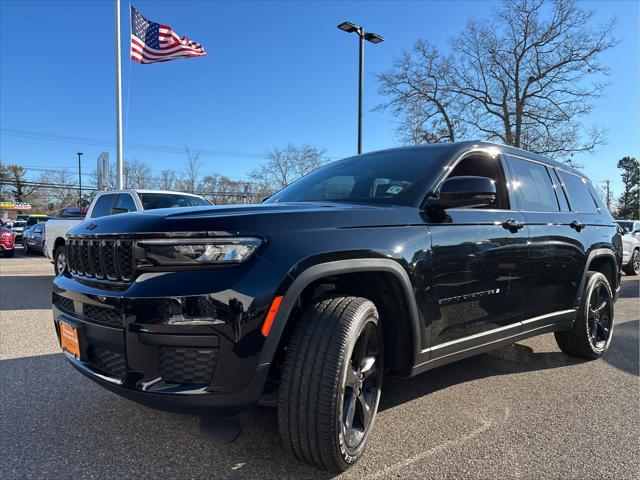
{"x": 577, "y": 226}
{"x": 512, "y": 225}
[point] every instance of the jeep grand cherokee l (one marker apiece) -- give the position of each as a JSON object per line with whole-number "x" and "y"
{"x": 392, "y": 262}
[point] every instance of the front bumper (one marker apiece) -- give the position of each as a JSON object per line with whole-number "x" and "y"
{"x": 162, "y": 351}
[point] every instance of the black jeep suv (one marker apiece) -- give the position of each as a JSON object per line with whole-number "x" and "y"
{"x": 393, "y": 262}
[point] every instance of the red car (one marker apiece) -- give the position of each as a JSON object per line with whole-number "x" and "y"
{"x": 7, "y": 242}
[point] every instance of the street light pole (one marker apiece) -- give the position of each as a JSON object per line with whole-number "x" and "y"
{"x": 79, "y": 180}
{"x": 370, "y": 37}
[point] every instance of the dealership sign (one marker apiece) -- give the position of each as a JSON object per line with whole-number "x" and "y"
{"x": 15, "y": 206}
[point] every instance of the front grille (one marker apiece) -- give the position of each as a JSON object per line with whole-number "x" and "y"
{"x": 63, "y": 303}
{"x": 187, "y": 365}
{"x": 102, "y": 315}
{"x": 107, "y": 361}
{"x": 101, "y": 258}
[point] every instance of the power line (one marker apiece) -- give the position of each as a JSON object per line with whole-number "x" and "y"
{"x": 131, "y": 146}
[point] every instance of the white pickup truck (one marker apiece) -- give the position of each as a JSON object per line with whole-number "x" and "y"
{"x": 112, "y": 203}
{"x": 630, "y": 246}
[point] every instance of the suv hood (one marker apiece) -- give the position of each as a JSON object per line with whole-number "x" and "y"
{"x": 251, "y": 219}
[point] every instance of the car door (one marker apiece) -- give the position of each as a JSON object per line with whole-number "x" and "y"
{"x": 560, "y": 235}
{"x": 479, "y": 265}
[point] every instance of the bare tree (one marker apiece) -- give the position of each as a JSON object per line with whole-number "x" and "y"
{"x": 526, "y": 77}
{"x": 167, "y": 180}
{"x": 287, "y": 165}
{"x": 191, "y": 171}
{"x": 419, "y": 91}
{"x": 136, "y": 174}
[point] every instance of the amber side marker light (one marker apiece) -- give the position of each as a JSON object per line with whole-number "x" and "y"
{"x": 273, "y": 310}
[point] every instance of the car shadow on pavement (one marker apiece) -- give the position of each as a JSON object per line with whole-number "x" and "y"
{"x": 57, "y": 423}
{"x": 515, "y": 358}
{"x": 26, "y": 292}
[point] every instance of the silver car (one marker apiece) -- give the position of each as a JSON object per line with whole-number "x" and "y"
{"x": 630, "y": 246}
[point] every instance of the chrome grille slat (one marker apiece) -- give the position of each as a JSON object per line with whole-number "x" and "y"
{"x": 110, "y": 259}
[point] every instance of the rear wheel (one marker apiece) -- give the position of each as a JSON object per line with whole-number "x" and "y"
{"x": 633, "y": 267}
{"x": 593, "y": 328}
{"x": 9, "y": 253}
{"x": 331, "y": 382}
{"x": 59, "y": 259}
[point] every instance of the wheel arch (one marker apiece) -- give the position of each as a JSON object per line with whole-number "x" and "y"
{"x": 601, "y": 260}
{"x": 375, "y": 270}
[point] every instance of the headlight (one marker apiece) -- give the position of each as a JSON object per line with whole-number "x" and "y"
{"x": 201, "y": 251}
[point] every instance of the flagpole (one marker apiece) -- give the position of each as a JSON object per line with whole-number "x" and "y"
{"x": 118, "y": 100}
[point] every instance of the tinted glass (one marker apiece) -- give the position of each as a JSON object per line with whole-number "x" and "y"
{"x": 102, "y": 206}
{"x": 397, "y": 177}
{"x": 627, "y": 225}
{"x": 151, "y": 201}
{"x": 33, "y": 220}
{"x": 37, "y": 229}
{"x": 534, "y": 184}
{"x": 124, "y": 204}
{"x": 579, "y": 197}
{"x": 485, "y": 166}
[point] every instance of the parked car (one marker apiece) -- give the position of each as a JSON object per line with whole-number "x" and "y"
{"x": 7, "y": 242}
{"x": 111, "y": 203}
{"x": 34, "y": 238}
{"x": 393, "y": 262}
{"x": 34, "y": 219}
{"x": 73, "y": 212}
{"x": 630, "y": 246}
{"x": 17, "y": 227}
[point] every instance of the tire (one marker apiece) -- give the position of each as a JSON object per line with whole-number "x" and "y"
{"x": 320, "y": 380}
{"x": 9, "y": 253}
{"x": 581, "y": 341}
{"x": 25, "y": 245}
{"x": 59, "y": 263}
{"x": 633, "y": 267}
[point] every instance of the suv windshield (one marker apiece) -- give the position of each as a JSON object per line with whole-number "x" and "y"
{"x": 152, "y": 201}
{"x": 31, "y": 221}
{"x": 394, "y": 177}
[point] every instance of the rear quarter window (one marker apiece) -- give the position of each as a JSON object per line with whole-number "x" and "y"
{"x": 580, "y": 199}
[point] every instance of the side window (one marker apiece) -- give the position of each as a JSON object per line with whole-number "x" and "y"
{"x": 37, "y": 228}
{"x": 534, "y": 184}
{"x": 489, "y": 167}
{"x": 103, "y": 206}
{"x": 580, "y": 199}
{"x": 124, "y": 204}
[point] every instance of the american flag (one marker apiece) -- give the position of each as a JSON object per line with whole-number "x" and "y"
{"x": 152, "y": 42}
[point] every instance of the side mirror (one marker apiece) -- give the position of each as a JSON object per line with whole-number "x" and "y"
{"x": 464, "y": 192}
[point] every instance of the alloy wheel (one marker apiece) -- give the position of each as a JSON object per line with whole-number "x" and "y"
{"x": 636, "y": 263}
{"x": 600, "y": 316}
{"x": 361, "y": 389}
{"x": 61, "y": 262}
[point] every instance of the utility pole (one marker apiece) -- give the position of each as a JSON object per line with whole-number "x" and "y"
{"x": 608, "y": 193}
{"x": 79, "y": 180}
{"x": 118, "y": 101}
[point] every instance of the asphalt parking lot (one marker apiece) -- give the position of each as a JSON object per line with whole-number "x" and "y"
{"x": 525, "y": 411}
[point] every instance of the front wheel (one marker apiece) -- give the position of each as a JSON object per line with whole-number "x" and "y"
{"x": 331, "y": 382}
{"x": 633, "y": 267}
{"x": 593, "y": 327}
{"x": 59, "y": 259}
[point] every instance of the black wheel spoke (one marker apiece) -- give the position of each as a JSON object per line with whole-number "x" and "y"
{"x": 366, "y": 410}
{"x": 351, "y": 379}
{"x": 349, "y": 411}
